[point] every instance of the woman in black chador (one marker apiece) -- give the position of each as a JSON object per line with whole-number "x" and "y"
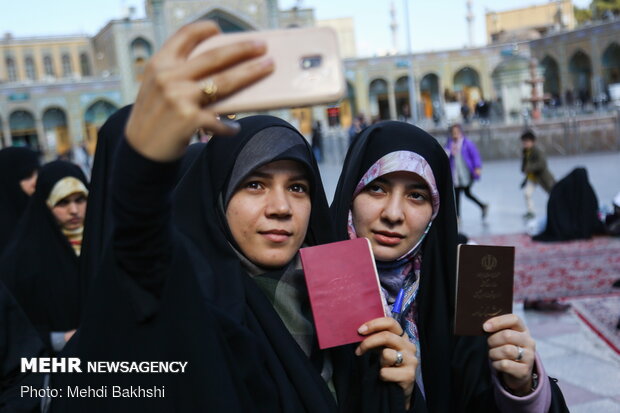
{"x": 396, "y": 190}
{"x": 40, "y": 265}
{"x": 18, "y": 177}
{"x": 572, "y": 209}
{"x": 205, "y": 271}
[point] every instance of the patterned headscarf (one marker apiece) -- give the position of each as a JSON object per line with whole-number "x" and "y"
{"x": 404, "y": 272}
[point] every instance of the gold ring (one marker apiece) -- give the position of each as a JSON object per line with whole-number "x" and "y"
{"x": 209, "y": 88}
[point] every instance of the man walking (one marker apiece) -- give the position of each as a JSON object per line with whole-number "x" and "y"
{"x": 534, "y": 166}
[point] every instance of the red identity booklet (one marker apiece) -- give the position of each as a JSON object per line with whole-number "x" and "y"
{"x": 344, "y": 289}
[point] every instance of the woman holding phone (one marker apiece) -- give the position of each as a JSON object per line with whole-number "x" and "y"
{"x": 206, "y": 271}
{"x": 396, "y": 190}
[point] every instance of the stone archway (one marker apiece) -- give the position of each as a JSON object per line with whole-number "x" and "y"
{"x": 228, "y": 22}
{"x": 23, "y": 129}
{"x": 431, "y": 99}
{"x": 611, "y": 64}
{"x": 94, "y": 116}
{"x": 379, "y": 103}
{"x": 551, "y": 87}
{"x": 56, "y": 130}
{"x": 467, "y": 87}
{"x": 141, "y": 50}
{"x": 580, "y": 68}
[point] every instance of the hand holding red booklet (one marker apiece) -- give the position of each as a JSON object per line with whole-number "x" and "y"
{"x": 344, "y": 289}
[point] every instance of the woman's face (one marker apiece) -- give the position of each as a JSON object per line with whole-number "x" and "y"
{"x": 392, "y": 212}
{"x": 70, "y": 211}
{"x": 269, "y": 212}
{"x": 455, "y": 132}
{"x": 29, "y": 184}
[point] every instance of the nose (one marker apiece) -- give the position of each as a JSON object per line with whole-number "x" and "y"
{"x": 73, "y": 209}
{"x": 278, "y": 204}
{"x": 393, "y": 210}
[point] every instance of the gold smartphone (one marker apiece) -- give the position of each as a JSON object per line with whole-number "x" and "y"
{"x": 308, "y": 70}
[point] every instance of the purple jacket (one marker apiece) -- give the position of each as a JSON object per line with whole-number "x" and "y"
{"x": 470, "y": 154}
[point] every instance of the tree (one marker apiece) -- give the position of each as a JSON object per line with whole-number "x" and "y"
{"x": 603, "y": 8}
{"x": 582, "y": 15}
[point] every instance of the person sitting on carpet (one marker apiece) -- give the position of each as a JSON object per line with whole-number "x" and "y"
{"x": 572, "y": 210}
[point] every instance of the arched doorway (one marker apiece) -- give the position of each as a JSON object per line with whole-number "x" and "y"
{"x": 580, "y": 68}
{"x": 401, "y": 93}
{"x": 431, "y": 100}
{"x": 94, "y": 117}
{"x": 467, "y": 87}
{"x": 551, "y": 85}
{"x": 379, "y": 105}
{"x": 611, "y": 64}
{"x": 348, "y": 107}
{"x": 56, "y": 130}
{"x": 141, "y": 50}
{"x": 23, "y": 129}
{"x": 228, "y": 22}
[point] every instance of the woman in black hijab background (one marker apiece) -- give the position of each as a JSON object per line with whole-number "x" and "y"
{"x": 16, "y": 165}
{"x": 572, "y": 209}
{"x": 40, "y": 266}
{"x": 456, "y": 371}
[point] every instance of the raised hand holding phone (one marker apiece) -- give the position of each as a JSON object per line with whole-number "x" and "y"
{"x": 172, "y": 102}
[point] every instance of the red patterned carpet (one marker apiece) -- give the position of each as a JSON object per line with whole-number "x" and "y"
{"x": 601, "y": 314}
{"x": 561, "y": 269}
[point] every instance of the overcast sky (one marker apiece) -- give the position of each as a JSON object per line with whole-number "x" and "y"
{"x": 435, "y": 24}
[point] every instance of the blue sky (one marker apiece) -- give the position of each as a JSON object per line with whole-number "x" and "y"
{"x": 435, "y": 24}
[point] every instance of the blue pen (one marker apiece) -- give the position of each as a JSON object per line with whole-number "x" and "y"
{"x": 396, "y": 308}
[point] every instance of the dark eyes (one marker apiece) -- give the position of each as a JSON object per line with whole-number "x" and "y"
{"x": 296, "y": 187}
{"x": 300, "y": 188}
{"x": 64, "y": 202}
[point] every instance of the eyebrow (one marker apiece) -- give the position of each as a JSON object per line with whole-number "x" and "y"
{"x": 258, "y": 174}
{"x": 415, "y": 185}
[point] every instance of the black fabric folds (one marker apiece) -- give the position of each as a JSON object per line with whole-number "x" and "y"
{"x": 572, "y": 210}
{"x": 98, "y": 220}
{"x": 172, "y": 288}
{"x": 16, "y": 163}
{"x": 17, "y": 339}
{"x": 40, "y": 267}
{"x": 455, "y": 370}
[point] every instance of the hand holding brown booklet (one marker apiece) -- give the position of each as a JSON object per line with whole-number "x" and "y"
{"x": 344, "y": 289}
{"x": 484, "y": 284}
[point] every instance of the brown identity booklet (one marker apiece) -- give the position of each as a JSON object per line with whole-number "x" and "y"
{"x": 344, "y": 289}
{"x": 484, "y": 283}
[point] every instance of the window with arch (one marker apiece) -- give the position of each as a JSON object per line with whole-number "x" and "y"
{"x": 141, "y": 51}
{"x": 48, "y": 66}
{"x": 31, "y": 71}
{"x": 66, "y": 65}
{"x": 85, "y": 65}
{"x": 11, "y": 69}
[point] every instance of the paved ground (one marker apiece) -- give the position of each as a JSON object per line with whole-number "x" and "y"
{"x": 588, "y": 370}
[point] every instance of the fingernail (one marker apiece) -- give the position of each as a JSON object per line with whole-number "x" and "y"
{"x": 358, "y": 351}
{"x": 487, "y": 326}
{"x": 231, "y": 124}
{"x": 267, "y": 62}
{"x": 260, "y": 44}
{"x": 362, "y": 329}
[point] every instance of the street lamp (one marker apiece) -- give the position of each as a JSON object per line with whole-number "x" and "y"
{"x": 413, "y": 104}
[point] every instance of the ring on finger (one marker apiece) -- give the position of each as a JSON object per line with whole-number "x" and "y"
{"x": 519, "y": 353}
{"x": 209, "y": 89}
{"x": 399, "y": 359}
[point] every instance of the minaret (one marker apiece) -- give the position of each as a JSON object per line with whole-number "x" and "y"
{"x": 470, "y": 23}
{"x": 394, "y": 28}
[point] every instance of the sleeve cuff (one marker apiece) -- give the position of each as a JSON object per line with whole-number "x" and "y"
{"x": 539, "y": 401}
